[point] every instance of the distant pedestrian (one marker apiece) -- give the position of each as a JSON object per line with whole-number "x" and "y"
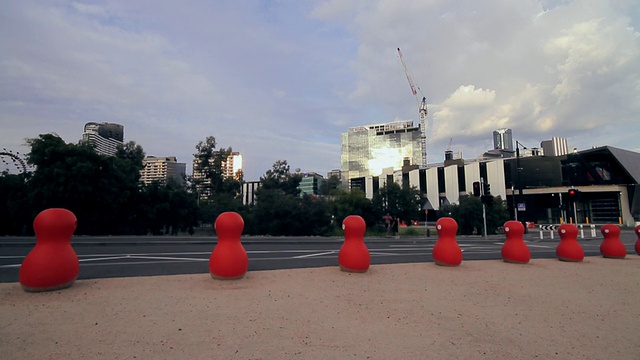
{"x": 396, "y": 222}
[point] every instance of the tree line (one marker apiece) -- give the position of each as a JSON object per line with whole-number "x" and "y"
{"x": 107, "y": 197}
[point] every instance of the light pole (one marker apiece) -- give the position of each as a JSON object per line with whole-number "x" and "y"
{"x": 519, "y": 181}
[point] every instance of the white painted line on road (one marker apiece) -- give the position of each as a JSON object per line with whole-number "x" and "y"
{"x": 312, "y": 255}
{"x": 407, "y": 245}
{"x": 149, "y": 254}
{"x": 168, "y": 258}
{"x": 404, "y": 249}
{"x": 119, "y": 263}
{"x": 10, "y": 266}
{"x": 286, "y": 251}
{"x": 105, "y": 258}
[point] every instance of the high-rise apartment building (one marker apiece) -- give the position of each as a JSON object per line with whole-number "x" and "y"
{"x": 161, "y": 169}
{"x": 503, "y": 139}
{"x": 104, "y": 137}
{"x": 557, "y": 146}
{"x": 368, "y": 150}
{"x": 232, "y": 167}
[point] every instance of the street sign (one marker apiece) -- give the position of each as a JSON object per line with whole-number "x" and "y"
{"x": 522, "y": 207}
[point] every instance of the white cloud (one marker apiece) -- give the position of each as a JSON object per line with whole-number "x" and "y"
{"x": 282, "y": 81}
{"x": 562, "y": 68}
{"x": 469, "y": 96}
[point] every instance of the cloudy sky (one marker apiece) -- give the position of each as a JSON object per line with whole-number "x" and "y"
{"x": 281, "y": 80}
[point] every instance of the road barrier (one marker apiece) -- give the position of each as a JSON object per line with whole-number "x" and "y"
{"x": 550, "y": 228}
{"x": 593, "y": 230}
{"x": 553, "y": 228}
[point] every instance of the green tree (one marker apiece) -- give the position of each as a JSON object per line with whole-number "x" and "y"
{"x": 401, "y": 203}
{"x": 15, "y": 215}
{"x": 211, "y": 164}
{"x": 330, "y": 186}
{"x": 468, "y": 215}
{"x": 497, "y": 215}
{"x": 354, "y": 202}
{"x": 280, "y": 210}
{"x": 169, "y": 208}
{"x": 217, "y": 192}
{"x": 279, "y": 177}
{"x": 100, "y": 190}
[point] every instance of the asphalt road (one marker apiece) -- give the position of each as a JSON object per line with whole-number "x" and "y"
{"x": 105, "y": 257}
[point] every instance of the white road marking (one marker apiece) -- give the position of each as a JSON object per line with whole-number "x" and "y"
{"x": 168, "y": 258}
{"x": 315, "y": 254}
{"x": 10, "y": 266}
{"x": 105, "y": 258}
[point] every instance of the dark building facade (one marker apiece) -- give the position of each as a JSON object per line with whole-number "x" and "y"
{"x": 606, "y": 179}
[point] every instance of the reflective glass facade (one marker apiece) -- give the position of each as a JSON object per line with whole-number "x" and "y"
{"x": 367, "y": 150}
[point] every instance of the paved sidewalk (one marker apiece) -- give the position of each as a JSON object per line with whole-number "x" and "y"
{"x": 489, "y": 309}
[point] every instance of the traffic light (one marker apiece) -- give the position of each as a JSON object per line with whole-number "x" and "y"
{"x": 487, "y": 189}
{"x": 487, "y": 199}
{"x": 573, "y": 194}
{"x": 476, "y": 188}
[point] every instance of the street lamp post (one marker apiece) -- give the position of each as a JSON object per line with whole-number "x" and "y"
{"x": 519, "y": 180}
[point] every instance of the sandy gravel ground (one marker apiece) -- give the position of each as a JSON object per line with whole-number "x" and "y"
{"x": 547, "y": 309}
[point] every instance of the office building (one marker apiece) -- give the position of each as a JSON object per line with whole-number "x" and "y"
{"x": 248, "y": 192}
{"x": 310, "y": 183}
{"x": 160, "y": 169}
{"x": 503, "y": 139}
{"x": 557, "y": 146}
{"x": 335, "y": 172}
{"x": 104, "y": 137}
{"x": 368, "y": 150}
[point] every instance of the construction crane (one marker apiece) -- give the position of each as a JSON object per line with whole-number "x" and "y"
{"x": 422, "y": 109}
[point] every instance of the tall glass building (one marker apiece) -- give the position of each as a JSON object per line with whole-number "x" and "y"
{"x": 503, "y": 139}
{"x": 368, "y": 150}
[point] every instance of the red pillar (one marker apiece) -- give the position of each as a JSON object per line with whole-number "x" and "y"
{"x": 446, "y": 251}
{"x": 354, "y": 254}
{"x": 228, "y": 259}
{"x": 514, "y": 249}
{"x": 52, "y": 264}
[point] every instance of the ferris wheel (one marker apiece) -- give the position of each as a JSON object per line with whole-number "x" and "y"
{"x": 11, "y": 163}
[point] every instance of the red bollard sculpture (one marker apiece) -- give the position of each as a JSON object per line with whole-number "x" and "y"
{"x": 228, "y": 259}
{"x": 569, "y": 249}
{"x": 354, "y": 254}
{"x": 446, "y": 251}
{"x": 52, "y": 264}
{"x": 638, "y": 242}
{"x": 514, "y": 249}
{"x": 611, "y": 246}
